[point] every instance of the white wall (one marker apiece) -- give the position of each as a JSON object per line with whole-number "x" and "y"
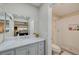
{"x": 44, "y": 25}
{"x": 20, "y": 9}
{"x": 43, "y": 22}
{"x": 24, "y": 10}
{"x": 69, "y": 39}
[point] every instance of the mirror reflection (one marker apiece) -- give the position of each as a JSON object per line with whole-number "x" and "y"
{"x": 20, "y": 28}
{"x": 12, "y": 25}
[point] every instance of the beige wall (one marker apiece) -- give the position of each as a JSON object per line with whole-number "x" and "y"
{"x": 54, "y": 29}
{"x": 68, "y": 39}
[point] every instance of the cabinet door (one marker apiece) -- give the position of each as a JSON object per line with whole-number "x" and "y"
{"x": 41, "y": 49}
{"x": 22, "y": 50}
{"x": 33, "y": 49}
{"x": 10, "y": 52}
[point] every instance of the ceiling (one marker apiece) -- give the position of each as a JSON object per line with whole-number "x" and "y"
{"x": 33, "y": 4}
{"x": 36, "y": 4}
{"x": 61, "y": 9}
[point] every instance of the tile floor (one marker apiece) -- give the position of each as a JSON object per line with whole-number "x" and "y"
{"x": 66, "y": 53}
{"x": 63, "y": 53}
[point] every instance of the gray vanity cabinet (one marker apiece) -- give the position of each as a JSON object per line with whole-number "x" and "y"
{"x": 27, "y": 50}
{"x": 41, "y": 48}
{"x": 21, "y": 50}
{"x": 37, "y": 48}
{"x": 33, "y": 49}
{"x": 9, "y": 52}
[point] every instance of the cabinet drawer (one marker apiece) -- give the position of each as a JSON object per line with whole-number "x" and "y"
{"x": 22, "y": 51}
{"x": 10, "y": 52}
{"x": 41, "y": 52}
{"x": 41, "y": 48}
{"x": 33, "y": 49}
{"x": 41, "y": 44}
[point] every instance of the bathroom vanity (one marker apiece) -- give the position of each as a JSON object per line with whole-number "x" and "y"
{"x": 16, "y": 38}
{"x": 23, "y": 46}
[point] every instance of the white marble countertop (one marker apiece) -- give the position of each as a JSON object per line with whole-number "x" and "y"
{"x": 14, "y": 42}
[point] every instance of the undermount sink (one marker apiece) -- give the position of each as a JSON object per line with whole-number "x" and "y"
{"x": 22, "y": 37}
{"x": 18, "y": 39}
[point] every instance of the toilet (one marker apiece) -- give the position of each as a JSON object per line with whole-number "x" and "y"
{"x": 56, "y": 49}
